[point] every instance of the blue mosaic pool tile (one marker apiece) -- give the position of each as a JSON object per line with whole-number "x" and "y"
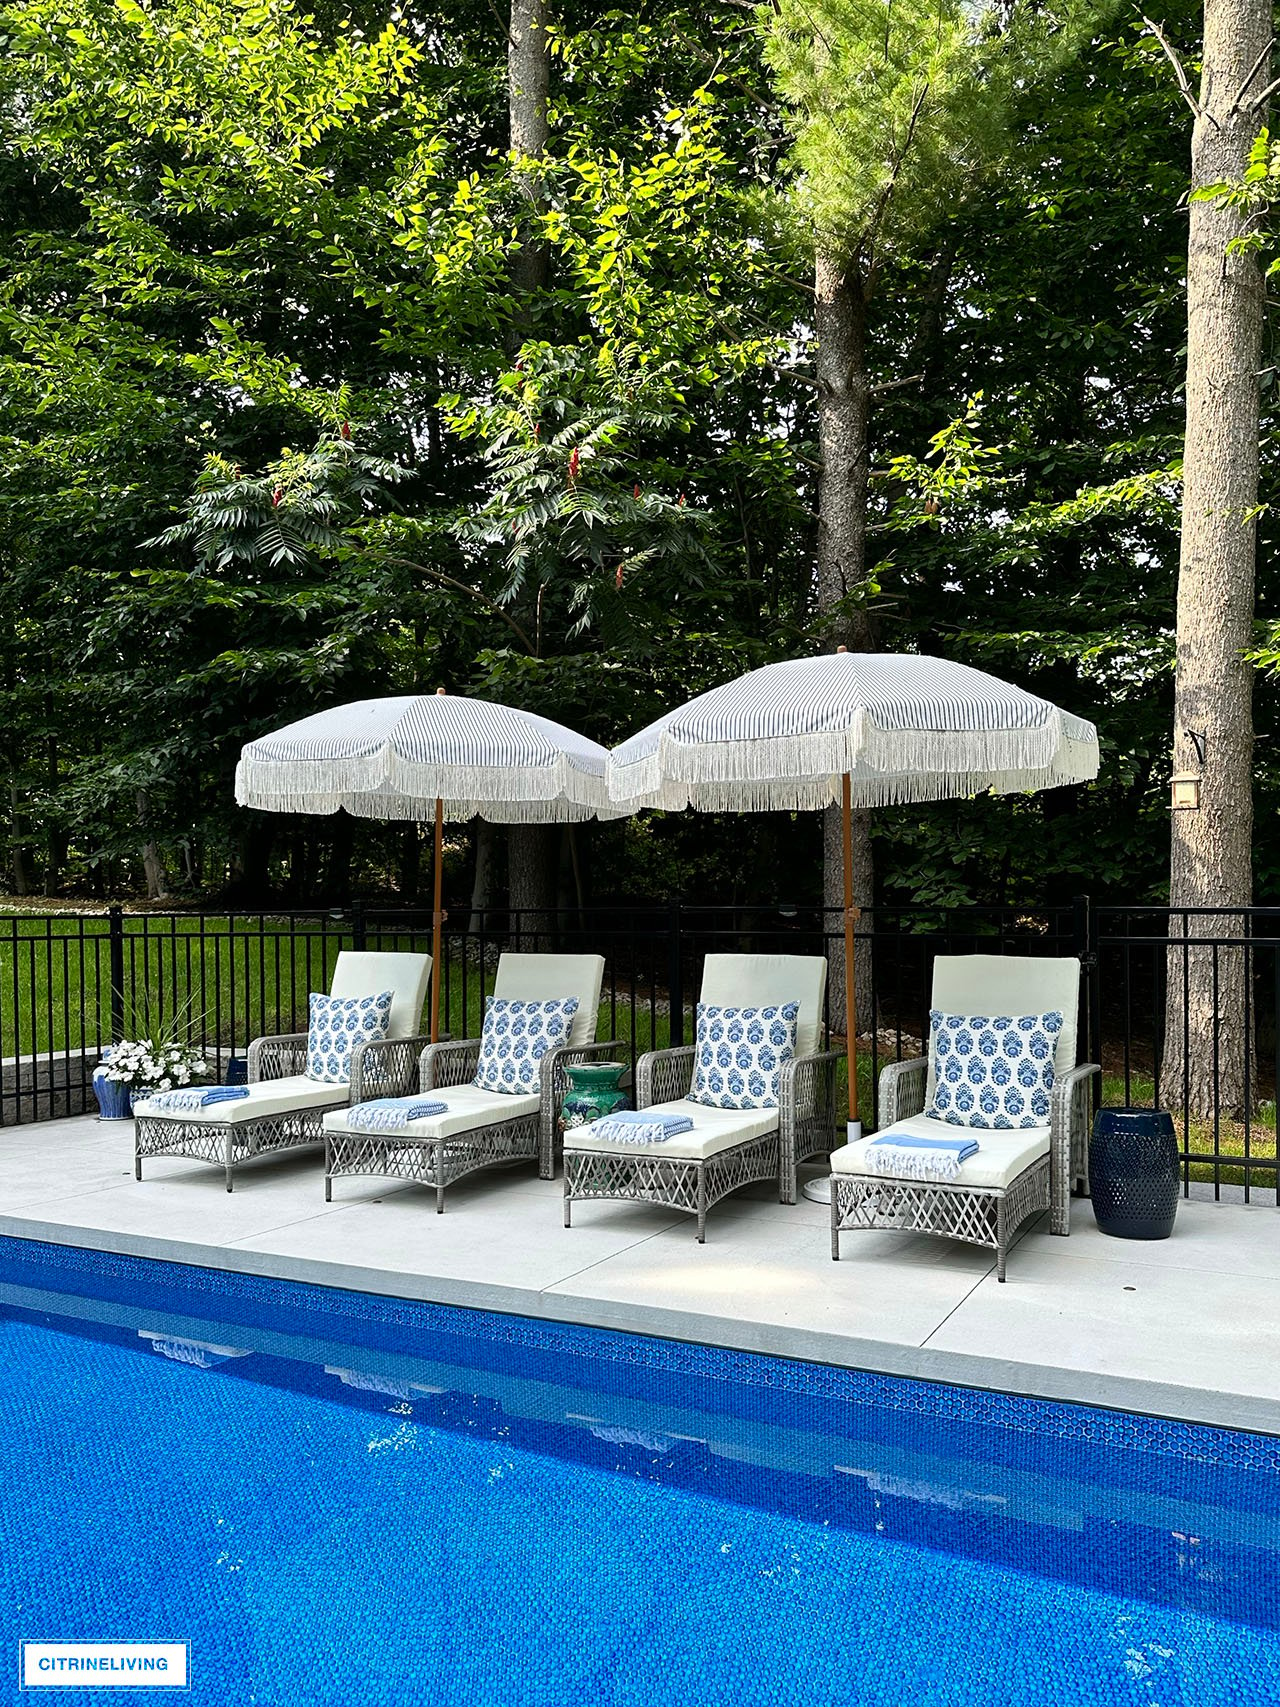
{"x": 742, "y": 1529}
{"x": 748, "y": 1370}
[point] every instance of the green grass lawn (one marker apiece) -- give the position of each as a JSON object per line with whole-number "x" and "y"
{"x": 1229, "y": 1141}
{"x": 235, "y": 979}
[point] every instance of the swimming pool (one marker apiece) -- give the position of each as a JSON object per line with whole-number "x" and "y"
{"x": 366, "y": 1502}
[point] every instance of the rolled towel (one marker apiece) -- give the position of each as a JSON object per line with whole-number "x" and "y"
{"x": 389, "y": 1114}
{"x": 197, "y": 1096}
{"x": 640, "y": 1126}
{"x": 906, "y": 1156}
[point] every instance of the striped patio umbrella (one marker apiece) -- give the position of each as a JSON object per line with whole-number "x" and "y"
{"x": 861, "y": 728}
{"x": 435, "y": 755}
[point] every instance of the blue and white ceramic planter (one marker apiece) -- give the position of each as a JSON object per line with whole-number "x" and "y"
{"x": 112, "y": 1096}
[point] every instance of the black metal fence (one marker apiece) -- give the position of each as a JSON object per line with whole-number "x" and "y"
{"x": 70, "y": 983}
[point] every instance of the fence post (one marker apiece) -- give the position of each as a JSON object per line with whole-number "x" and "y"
{"x": 115, "y": 941}
{"x": 357, "y": 925}
{"x": 675, "y": 971}
{"x": 1084, "y": 942}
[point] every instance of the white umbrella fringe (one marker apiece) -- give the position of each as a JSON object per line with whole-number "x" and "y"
{"x": 409, "y": 808}
{"x": 391, "y": 757}
{"x": 773, "y": 749}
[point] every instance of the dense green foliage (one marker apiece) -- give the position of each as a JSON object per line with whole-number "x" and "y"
{"x": 267, "y": 446}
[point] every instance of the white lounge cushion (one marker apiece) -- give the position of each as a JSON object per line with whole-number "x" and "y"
{"x": 1001, "y": 1156}
{"x": 761, "y": 980}
{"x": 269, "y": 1096}
{"x": 714, "y": 1129}
{"x": 1009, "y": 984}
{"x": 367, "y": 972}
{"x": 549, "y": 977}
{"x": 469, "y": 1109}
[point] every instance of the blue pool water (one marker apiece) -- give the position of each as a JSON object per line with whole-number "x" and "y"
{"x": 384, "y": 1504}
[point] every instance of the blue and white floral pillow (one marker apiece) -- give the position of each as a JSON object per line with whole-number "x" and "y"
{"x": 338, "y": 1023}
{"x": 993, "y": 1071}
{"x": 739, "y": 1054}
{"x": 515, "y": 1037}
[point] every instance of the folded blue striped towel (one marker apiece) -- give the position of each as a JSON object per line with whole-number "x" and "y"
{"x": 198, "y": 1096}
{"x": 389, "y": 1114}
{"x": 908, "y": 1156}
{"x": 640, "y": 1126}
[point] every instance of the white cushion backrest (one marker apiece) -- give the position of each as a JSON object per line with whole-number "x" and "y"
{"x": 367, "y": 972}
{"x": 760, "y": 980}
{"x": 1010, "y": 984}
{"x": 554, "y": 978}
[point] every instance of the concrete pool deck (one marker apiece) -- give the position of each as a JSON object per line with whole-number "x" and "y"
{"x": 1189, "y": 1327}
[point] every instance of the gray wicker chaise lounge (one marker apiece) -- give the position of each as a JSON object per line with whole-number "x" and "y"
{"x": 727, "y": 1148}
{"x": 483, "y": 1128}
{"x": 1017, "y": 1173}
{"x": 284, "y": 1107}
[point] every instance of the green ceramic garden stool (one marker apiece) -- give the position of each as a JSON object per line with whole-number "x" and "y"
{"x": 594, "y": 1091}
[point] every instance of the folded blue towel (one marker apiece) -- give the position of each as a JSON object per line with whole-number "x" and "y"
{"x": 640, "y": 1126}
{"x": 198, "y": 1096}
{"x": 967, "y": 1146}
{"x": 915, "y": 1157}
{"x": 389, "y": 1114}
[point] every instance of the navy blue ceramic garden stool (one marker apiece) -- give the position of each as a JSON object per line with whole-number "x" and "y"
{"x": 1133, "y": 1172}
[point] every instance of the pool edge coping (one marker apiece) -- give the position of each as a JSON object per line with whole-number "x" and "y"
{"x": 1215, "y": 1408}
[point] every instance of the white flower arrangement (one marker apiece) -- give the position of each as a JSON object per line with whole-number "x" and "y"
{"x": 148, "y": 1065}
{"x": 161, "y": 1057}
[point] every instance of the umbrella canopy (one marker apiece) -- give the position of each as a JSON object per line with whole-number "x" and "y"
{"x": 861, "y": 728}
{"x": 387, "y": 758}
{"x": 900, "y": 727}
{"x": 429, "y": 756}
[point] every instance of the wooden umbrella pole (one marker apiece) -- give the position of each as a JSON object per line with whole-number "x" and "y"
{"x": 437, "y": 925}
{"x": 437, "y": 918}
{"x": 851, "y": 917}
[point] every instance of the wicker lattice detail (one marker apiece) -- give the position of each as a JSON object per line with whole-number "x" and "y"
{"x": 277, "y": 1057}
{"x": 1071, "y": 1118}
{"x": 673, "y": 1182}
{"x": 444, "y": 1064}
{"x": 223, "y": 1144}
{"x": 664, "y": 1076}
{"x": 387, "y": 1068}
{"x": 806, "y": 1114}
{"x": 436, "y": 1162}
{"x": 973, "y": 1214}
{"x": 902, "y": 1090}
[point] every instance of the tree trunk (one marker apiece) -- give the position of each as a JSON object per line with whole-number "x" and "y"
{"x": 843, "y": 419}
{"x": 55, "y": 834}
{"x": 482, "y": 876}
{"x": 532, "y": 849}
{"x": 528, "y": 80}
{"x": 152, "y": 860}
{"x": 1211, "y": 849}
{"x": 18, "y": 859}
{"x": 410, "y": 862}
{"x": 533, "y": 872}
{"x": 341, "y": 848}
